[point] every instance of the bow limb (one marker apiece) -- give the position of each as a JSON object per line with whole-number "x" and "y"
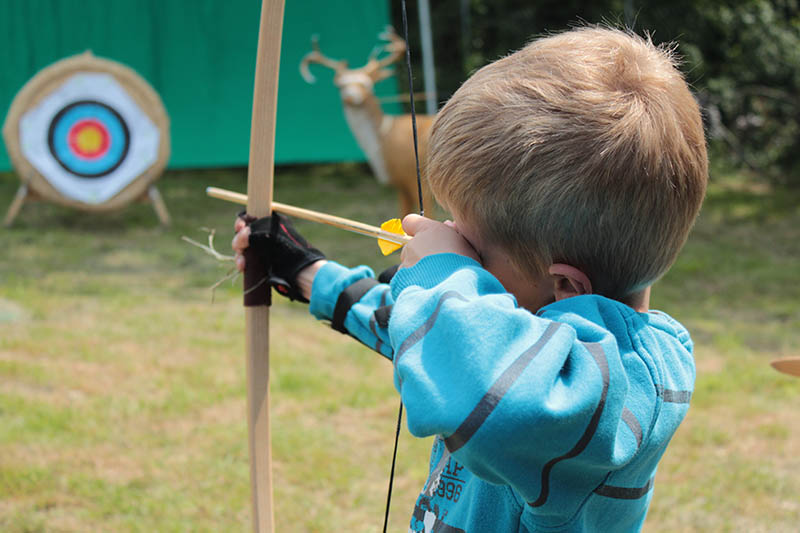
{"x": 260, "y": 172}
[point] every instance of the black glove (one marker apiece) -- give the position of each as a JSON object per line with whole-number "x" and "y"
{"x": 284, "y": 251}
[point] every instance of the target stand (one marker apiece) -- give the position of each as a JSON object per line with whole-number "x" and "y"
{"x": 87, "y": 133}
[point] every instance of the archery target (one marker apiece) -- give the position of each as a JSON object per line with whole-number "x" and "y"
{"x": 89, "y": 132}
{"x": 89, "y": 138}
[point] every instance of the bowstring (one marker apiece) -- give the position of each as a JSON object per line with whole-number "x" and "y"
{"x": 421, "y": 213}
{"x": 394, "y": 462}
{"x": 413, "y": 109}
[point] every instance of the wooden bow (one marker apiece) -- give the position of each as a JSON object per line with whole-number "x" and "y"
{"x": 260, "y": 172}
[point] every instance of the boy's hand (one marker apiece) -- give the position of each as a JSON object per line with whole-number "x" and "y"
{"x": 432, "y": 237}
{"x": 282, "y": 248}
{"x": 241, "y": 241}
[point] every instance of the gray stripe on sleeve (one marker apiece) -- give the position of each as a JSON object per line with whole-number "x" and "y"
{"x": 372, "y": 327}
{"x": 624, "y": 493}
{"x": 420, "y": 332}
{"x": 373, "y": 323}
{"x": 633, "y": 423}
{"x": 383, "y": 297}
{"x": 596, "y": 350}
{"x": 486, "y": 405}
{"x": 676, "y": 396}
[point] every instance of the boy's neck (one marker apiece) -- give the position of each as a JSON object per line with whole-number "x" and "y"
{"x": 639, "y": 301}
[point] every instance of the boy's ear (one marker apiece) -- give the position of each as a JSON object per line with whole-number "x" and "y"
{"x": 568, "y": 281}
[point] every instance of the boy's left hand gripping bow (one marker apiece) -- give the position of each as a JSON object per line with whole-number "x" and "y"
{"x": 282, "y": 251}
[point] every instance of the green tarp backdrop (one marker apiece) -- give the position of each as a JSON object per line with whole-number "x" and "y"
{"x": 199, "y": 55}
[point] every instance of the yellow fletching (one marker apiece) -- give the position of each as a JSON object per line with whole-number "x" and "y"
{"x": 393, "y": 225}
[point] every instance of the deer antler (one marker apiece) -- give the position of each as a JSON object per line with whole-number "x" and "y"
{"x": 395, "y": 46}
{"x": 315, "y": 56}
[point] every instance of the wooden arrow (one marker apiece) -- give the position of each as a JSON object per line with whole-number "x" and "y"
{"x": 315, "y": 216}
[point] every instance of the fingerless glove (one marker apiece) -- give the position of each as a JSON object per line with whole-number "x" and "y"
{"x": 284, "y": 251}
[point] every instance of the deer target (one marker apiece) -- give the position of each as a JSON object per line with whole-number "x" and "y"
{"x": 386, "y": 140}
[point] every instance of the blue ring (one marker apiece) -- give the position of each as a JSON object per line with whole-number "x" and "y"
{"x": 58, "y": 138}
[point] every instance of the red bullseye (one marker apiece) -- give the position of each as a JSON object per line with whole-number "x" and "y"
{"x": 89, "y": 139}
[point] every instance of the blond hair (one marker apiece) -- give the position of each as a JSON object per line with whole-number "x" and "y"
{"x": 585, "y": 148}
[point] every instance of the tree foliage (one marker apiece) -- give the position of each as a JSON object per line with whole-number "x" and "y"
{"x": 742, "y": 58}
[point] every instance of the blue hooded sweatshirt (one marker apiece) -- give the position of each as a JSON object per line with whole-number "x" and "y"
{"x": 553, "y": 421}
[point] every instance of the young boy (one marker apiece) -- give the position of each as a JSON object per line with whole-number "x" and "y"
{"x": 520, "y": 332}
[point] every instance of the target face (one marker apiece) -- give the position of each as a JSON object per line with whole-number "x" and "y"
{"x": 89, "y": 138}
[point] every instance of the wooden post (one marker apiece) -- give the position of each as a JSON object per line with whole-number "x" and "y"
{"x": 158, "y": 205}
{"x": 259, "y": 191}
{"x": 16, "y": 205}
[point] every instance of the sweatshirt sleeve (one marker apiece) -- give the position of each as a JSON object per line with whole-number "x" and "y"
{"x": 519, "y": 399}
{"x": 365, "y": 316}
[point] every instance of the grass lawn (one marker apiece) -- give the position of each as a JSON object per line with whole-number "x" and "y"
{"x": 122, "y": 400}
